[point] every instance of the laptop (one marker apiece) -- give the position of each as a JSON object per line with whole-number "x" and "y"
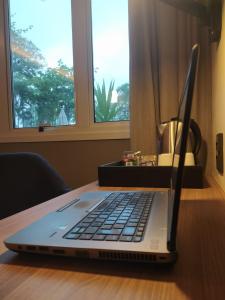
{"x": 118, "y": 225}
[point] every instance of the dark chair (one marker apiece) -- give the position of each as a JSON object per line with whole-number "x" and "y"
{"x": 26, "y": 179}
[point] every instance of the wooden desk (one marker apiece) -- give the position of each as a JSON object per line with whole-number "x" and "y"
{"x": 198, "y": 274}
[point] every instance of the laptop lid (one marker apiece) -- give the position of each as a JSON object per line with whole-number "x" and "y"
{"x": 183, "y": 118}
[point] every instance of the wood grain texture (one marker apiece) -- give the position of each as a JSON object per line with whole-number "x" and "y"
{"x": 198, "y": 274}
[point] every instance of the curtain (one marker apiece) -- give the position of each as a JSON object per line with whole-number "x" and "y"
{"x": 161, "y": 38}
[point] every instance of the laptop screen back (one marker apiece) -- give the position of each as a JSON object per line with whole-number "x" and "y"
{"x": 183, "y": 122}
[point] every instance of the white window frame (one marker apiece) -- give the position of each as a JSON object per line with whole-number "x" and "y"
{"x": 86, "y": 128}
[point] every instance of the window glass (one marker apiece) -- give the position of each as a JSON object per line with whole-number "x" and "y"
{"x": 110, "y": 60}
{"x": 41, "y": 63}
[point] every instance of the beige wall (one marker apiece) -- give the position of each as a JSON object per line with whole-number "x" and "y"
{"x": 76, "y": 161}
{"x": 218, "y": 96}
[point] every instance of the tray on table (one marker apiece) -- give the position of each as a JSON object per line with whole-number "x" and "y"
{"x": 116, "y": 174}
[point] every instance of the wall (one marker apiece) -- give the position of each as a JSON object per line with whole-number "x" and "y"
{"x": 76, "y": 161}
{"x": 218, "y": 96}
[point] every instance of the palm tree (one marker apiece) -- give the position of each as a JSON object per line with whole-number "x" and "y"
{"x": 105, "y": 110}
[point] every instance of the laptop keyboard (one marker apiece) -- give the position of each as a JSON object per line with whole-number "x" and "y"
{"x": 120, "y": 217}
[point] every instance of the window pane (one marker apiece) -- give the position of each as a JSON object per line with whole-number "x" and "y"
{"x": 110, "y": 59}
{"x": 41, "y": 62}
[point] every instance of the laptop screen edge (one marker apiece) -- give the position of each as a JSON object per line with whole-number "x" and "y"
{"x": 174, "y": 194}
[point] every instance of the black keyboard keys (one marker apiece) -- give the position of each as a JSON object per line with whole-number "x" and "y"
{"x": 121, "y": 217}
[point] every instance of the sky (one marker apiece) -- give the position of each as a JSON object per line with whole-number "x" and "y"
{"x": 51, "y": 32}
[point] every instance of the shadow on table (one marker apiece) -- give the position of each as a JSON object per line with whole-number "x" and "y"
{"x": 199, "y": 271}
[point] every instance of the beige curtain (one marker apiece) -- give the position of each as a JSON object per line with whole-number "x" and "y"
{"x": 161, "y": 38}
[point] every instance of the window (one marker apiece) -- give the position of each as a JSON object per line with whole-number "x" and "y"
{"x": 65, "y": 74}
{"x": 41, "y": 63}
{"x": 110, "y": 60}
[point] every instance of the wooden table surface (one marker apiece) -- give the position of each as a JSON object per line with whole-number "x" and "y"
{"x": 199, "y": 272}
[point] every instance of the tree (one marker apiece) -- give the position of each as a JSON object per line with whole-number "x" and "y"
{"x": 39, "y": 92}
{"x": 124, "y": 101}
{"x": 42, "y": 94}
{"x": 105, "y": 110}
{"x": 54, "y": 90}
{"x": 26, "y": 62}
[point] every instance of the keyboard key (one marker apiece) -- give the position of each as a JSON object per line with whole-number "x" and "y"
{"x": 133, "y": 220}
{"x": 123, "y": 218}
{"x": 93, "y": 215}
{"x": 112, "y": 238}
{"x": 85, "y": 236}
{"x": 141, "y": 229}
{"x": 104, "y": 226}
{"x": 83, "y": 224}
{"x": 119, "y": 226}
{"x": 129, "y": 230}
{"x": 115, "y": 215}
{"x": 121, "y": 222}
{"x": 88, "y": 220}
{"x": 109, "y": 222}
{"x": 139, "y": 233}
{"x": 143, "y": 220}
{"x": 109, "y": 231}
{"x": 82, "y": 229}
{"x": 112, "y": 219}
{"x": 75, "y": 229}
{"x": 103, "y": 216}
{"x": 91, "y": 230}
{"x": 72, "y": 236}
{"x": 135, "y": 216}
{"x": 99, "y": 237}
{"x": 125, "y": 214}
{"x": 126, "y": 238}
{"x": 137, "y": 238}
{"x": 132, "y": 224}
{"x": 100, "y": 220}
{"x": 97, "y": 224}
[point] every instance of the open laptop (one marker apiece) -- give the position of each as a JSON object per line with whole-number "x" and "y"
{"x": 133, "y": 226}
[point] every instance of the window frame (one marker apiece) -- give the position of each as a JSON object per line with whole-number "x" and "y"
{"x": 85, "y": 128}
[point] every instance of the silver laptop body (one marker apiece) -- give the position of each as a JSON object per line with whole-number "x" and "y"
{"x": 58, "y": 233}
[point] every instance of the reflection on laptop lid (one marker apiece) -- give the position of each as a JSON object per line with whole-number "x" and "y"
{"x": 180, "y": 147}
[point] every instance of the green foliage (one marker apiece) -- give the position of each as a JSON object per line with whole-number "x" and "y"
{"x": 105, "y": 110}
{"x": 54, "y": 89}
{"x": 123, "y": 101}
{"x": 40, "y": 92}
{"x": 26, "y": 61}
